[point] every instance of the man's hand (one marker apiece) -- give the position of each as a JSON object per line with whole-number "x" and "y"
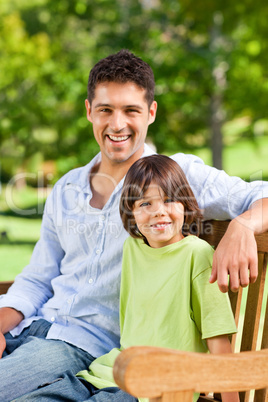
{"x": 236, "y": 256}
{"x": 9, "y": 319}
{"x": 2, "y": 344}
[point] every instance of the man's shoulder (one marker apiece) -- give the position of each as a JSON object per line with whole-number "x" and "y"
{"x": 185, "y": 159}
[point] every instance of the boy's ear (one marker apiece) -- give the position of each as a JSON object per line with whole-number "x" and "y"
{"x": 88, "y": 109}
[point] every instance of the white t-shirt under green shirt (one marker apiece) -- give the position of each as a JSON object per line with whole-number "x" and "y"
{"x": 166, "y": 300}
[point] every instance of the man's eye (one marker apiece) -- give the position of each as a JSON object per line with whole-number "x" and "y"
{"x": 132, "y": 111}
{"x": 105, "y": 110}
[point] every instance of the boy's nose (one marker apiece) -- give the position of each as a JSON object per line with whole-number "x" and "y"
{"x": 159, "y": 209}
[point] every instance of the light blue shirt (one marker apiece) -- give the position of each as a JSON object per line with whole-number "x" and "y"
{"x": 73, "y": 278}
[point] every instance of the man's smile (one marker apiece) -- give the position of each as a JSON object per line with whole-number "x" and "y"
{"x": 117, "y": 138}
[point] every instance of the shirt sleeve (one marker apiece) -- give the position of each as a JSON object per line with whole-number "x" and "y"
{"x": 219, "y": 195}
{"x": 211, "y": 308}
{"x": 32, "y": 288}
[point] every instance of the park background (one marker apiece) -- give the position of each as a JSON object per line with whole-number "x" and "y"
{"x": 210, "y": 63}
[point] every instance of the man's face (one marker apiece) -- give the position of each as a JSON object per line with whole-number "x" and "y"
{"x": 120, "y": 117}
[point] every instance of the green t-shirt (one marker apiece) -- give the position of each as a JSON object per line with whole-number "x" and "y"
{"x": 166, "y": 300}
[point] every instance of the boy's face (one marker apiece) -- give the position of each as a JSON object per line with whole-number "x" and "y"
{"x": 159, "y": 218}
{"x": 120, "y": 117}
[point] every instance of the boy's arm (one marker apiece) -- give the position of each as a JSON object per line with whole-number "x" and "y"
{"x": 217, "y": 345}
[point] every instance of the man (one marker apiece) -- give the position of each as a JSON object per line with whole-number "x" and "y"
{"x": 62, "y": 311}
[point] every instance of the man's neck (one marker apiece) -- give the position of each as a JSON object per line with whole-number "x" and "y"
{"x": 103, "y": 181}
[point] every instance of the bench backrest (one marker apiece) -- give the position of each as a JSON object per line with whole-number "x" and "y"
{"x": 249, "y": 304}
{"x": 4, "y": 286}
{"x": 137, "y": 369}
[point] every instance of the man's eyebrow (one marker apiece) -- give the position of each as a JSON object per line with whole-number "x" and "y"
{"x": 133, "y": 107}
{"x": 125, "y": 106}
{"x": 102, "y": 105}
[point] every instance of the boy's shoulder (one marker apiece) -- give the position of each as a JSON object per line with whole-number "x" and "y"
{"x": 199, "y": 245}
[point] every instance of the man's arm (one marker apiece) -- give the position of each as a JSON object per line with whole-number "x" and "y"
{"x": 236, "y": 254}
{"x": 9, "y": 319}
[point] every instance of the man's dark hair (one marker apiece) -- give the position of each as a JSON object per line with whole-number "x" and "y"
{"x": 168, "y": 175}
{"x": 122, "y": 67}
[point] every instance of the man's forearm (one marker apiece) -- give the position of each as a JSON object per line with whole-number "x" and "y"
{"x": 9, "y": 319}
{"x": 256, "y": 218}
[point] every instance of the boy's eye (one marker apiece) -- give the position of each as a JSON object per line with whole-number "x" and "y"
{"x": 144, "y": 204}
{"x": 169, "y": 200}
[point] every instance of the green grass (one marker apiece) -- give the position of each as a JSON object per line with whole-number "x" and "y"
{"x": 20, "y": 221}
{"x": 244, "y": 159}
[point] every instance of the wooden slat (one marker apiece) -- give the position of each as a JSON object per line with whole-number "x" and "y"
{"x": 151, "y": 372}
{"x": 235, "y": 299}
{"x": 253, "y": 313}
{"x": 264, "y": 344}
{"x": 183, "y": 396}
{"x": 213, "y": 230}
{"x": 4, "y": 286}
{"x": 253, "y": 308}
{"x": 261, "y": 395}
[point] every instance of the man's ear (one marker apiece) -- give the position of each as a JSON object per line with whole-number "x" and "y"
{"x": 152, "y": 112}
{"x": 88, "y": 109}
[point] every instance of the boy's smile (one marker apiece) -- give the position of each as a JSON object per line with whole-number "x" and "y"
{"x": 159, "y": 218}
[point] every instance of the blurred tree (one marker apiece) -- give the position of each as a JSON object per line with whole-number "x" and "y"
{"x": 209, "y": 61}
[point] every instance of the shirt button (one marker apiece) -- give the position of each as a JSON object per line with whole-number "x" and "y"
{"x": 102, "y": 218}
{"x": 98, "y": 251}
{"x": 69, "y": 301}
{"x": 90, "y": 280}
{"x": 52, "y": 319}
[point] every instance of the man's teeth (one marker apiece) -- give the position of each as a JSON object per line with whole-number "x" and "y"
{"x": 116, "y": 138}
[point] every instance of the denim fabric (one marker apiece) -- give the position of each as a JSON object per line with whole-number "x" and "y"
{"x": 72, "y": 389}
{"x": 30, "y": 361}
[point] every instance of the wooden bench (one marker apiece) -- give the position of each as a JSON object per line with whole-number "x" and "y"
{"x": 170, "y": 375}
{"x": 4, "y": 286}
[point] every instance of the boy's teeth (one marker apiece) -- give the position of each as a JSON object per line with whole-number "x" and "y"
{"x": 114, "y": 138}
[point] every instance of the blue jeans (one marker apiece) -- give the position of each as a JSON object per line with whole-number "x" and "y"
{"x": 34, "y": 368}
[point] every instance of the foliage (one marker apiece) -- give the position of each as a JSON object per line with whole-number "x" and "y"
{"x": 209, "y": 61}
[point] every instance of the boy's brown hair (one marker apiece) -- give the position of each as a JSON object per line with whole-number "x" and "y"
{"x": 168, "y": 175}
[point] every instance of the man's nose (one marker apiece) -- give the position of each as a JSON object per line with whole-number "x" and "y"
{"x": 117, "y": 121}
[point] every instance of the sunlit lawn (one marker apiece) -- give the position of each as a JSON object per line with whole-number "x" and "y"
{"x": 18, "y": 234}
{"x": 20, "y": 220}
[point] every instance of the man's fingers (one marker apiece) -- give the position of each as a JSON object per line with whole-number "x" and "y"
{"x": 253, "y": 270}
{"x": 220, "y": 275}
{"x": 213, "y": 276}
{"x": 234, "y": 279}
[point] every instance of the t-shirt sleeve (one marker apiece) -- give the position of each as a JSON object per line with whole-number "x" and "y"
{"x": 211, "y": 308}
